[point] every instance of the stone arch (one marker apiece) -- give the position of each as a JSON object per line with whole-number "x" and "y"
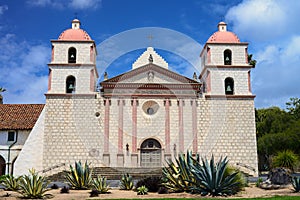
{"x": 229, "y": 85}
{"x": 72, "y": 54}
{"x": 2, "y": 166}
{"x": 70, "y": 84}
{"x": 227, "y": 57}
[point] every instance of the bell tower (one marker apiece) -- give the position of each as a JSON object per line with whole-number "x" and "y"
{"x": 225, "y": 67}
{"x": 72, "y": 69}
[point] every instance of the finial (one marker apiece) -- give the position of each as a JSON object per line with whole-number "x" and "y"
{"x": 105, "y": 76}
{"x": 195, "y": 76}
{"x": 150, "y": 59}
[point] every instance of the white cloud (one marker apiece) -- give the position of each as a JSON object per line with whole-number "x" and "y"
{"x": 83, "y": 4}
{"x": 271, "y": 27}
{"x": 58, "y": 4}
{"x": 23, "y": 70}
{"x": 3, "y": 9}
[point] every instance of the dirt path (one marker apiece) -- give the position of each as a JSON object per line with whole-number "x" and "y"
{"x": 249, "y": 192}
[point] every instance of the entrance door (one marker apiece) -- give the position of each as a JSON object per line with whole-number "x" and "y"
{"x": 150, "y": 153}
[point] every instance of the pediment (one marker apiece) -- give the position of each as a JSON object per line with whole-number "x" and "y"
{"x": 150, "y": 81}
{"x": 150, "y": 74}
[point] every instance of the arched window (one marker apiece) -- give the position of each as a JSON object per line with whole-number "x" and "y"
{"x": 227, "y": 57}
{"x": 229, "y": 86}
{"x": 72, "y": 55}
{"x": 70, "y": 84}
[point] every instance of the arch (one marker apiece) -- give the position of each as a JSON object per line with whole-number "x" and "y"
{"x": 72, "y": 55}
{"x": 229, "y": 86}
{"x": 227, "y": 57}
{"x": 2, "y": 166}
{"x": 150, "y": 153}
{"x": 70, "y": 84}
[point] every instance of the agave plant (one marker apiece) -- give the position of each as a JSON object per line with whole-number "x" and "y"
{"x": 296, "y": 183}
{"x": 177, "y": 175}
{"x": 100, "y": 185}
{"x": 210, "y": 178}
{"x": 33, "y": 186}
{"x": 11, "y": 183}
{"x": 79, "y": 177}
{"x": 126, "y": 182}
{"x": 142, "y": 190}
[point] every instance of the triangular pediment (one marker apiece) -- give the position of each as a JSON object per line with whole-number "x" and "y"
{"x": 150, "y": 74}
{"x": 150, "y": 81}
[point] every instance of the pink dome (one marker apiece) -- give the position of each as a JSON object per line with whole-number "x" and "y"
{"x": 223, "y": 36}
{"x": 75, "y": 33}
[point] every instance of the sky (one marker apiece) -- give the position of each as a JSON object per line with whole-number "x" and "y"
{"x": 121, "y": 31}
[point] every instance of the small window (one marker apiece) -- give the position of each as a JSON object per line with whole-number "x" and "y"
{"x": 229, "y": 86}
{"x": 70, "y": 84}
{"x": 227, "y": 57}
{"x": 72, "y": 55}
{"x": 11, "y": 136}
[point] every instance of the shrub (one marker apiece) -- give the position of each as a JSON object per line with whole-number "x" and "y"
{"x": 177, "y": 175}
{"x": 239, "y": 178}
{"x": 54, "y": 186}
{"x": 258, "y": 182}
{"x": 211, "y": 179}
{"x": 287, "y": 159}
{"x": 79, "y": 177}
{"x": 11, "y": 183}
{"x": 152, "y": 183}
{"x": 65, "y": 190}
{"x": 94, "y": 193}
{"x": 100, "y": 185}
{"x": 296, "y": 184}
{"x": 126, "y": 182}
{"x": 142, "y": 190}
{"x": 163, "y": 190}
{"x": 33, "y": 186}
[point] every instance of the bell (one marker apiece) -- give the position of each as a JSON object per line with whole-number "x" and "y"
{"x": 72, "y": 56}
{"x": 228, "y": 89}
{"x": 227, "y": 58}
{"x": 71, "y": 87}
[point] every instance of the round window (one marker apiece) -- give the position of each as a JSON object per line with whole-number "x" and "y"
{"x": 150, "y": 107}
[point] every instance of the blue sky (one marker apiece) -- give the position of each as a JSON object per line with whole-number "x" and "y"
{"x": 270, "y": 26}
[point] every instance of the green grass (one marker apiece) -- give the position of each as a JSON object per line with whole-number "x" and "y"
{"x": 222, "y": 198}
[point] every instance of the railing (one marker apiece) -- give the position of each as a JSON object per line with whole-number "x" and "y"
{"x": 53, "y": 167}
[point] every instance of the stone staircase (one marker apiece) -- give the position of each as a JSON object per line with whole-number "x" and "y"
{"x": 113, "y": 173}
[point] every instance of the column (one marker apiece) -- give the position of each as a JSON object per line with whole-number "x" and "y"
{"x": 134, "y": 126}
{"x": 106, "y": 156}
{"x": 167, "y": 126}
{"x": 134, "y": 154}
{"x": 181, "y": 129}
{"x": 194, "y": 124}
{"x": 120, "y": 155}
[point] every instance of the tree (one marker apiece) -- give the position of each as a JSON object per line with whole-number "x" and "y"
{"x": 293, "y": 107}
{"x": 1, "y": 90}
{"x": 251, "y": 61}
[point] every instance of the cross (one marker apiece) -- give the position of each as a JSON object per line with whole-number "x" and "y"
{"x": 150, "y": 37}
{"x": 76, "y": 17}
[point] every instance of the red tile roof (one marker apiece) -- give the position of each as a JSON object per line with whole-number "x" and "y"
{"x": 19, "y": 116}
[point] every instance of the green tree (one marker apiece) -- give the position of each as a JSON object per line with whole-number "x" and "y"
{"x": 272, "y": 120}
{"x": 293, "y": 107}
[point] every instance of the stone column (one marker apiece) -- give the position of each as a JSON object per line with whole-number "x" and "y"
{"x": 167, "y": 126}
{"x": 194, "y": 124}
{"x": 181, "y": 129}
{"x": 106, "y": 157}
{"x": 120, "y": 126}
{"x": 134, "y": 126}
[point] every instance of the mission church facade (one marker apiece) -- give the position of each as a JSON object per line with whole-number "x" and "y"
{"x": 145, "y": 115}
